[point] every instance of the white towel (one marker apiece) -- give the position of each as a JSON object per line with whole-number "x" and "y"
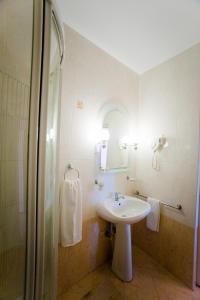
{"x": 153, "y": 218}
{"x": 70, "y": 212}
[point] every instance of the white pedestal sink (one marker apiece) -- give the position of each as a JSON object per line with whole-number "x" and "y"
{"x": 123, "y": 212}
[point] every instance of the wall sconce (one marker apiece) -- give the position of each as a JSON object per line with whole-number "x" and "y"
{"x": 126, "y": 143}
{"x": 104, "y": 136}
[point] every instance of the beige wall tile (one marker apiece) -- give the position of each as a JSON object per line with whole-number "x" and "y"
{"x": 12, "y": 270}
{"x": 172, "y": 246}
{"x": 77, "y": 261}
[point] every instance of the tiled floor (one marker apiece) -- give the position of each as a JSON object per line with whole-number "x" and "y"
{"x": 151, "y": 282}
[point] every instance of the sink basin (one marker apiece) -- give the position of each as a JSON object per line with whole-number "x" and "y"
{"x": 127, "y": 210}
{"x": 123, "y": 213}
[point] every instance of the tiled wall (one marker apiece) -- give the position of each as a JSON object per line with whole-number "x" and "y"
{"x": 167, "y": 103}
{"x": 94, "y": 78}
{"x": 172, "y": 246}
{"x": 13, "y": 160}
{"x": 14, "y": 112}
{"x": 170, "y": 105}
{"x": 15, "y": 72}
{"x": 12, "y": 274}
{"x": 75, "y": 262}
{"x": 16, "y": 38}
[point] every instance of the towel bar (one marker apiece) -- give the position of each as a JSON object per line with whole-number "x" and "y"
{"x": 179, "y": 207}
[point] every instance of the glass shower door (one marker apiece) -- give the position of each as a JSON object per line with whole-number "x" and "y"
{"x": 50, "y": 205}
{"x": 28, "y": 148}
{"x": 16, "y": 18}
{"x": 48, "y": 159}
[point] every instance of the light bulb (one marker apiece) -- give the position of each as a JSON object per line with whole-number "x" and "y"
{"x": 104, "y": 134}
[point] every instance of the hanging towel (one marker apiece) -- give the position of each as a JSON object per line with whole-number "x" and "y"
{"x": 70, "y": 212}
{"x": 153, "y": 218}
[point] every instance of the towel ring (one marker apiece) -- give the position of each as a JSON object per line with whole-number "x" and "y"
{"x": 69, "y": 168}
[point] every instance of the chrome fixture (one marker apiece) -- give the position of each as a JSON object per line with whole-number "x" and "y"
{"x": 99, "y": 183}
{"x": 131, "y": 179}
{"x": 178, "y": 207}
{"x": 70, "y": 168}
{"x": 118, "y": 196}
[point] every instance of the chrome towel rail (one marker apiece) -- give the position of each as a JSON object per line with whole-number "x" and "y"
{"x": 179, "y": 207}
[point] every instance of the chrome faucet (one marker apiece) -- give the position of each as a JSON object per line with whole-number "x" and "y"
{"x": 118, "y": 196}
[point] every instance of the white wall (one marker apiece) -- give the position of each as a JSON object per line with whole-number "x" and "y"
{"x": 169, "y": 105}
{"x": 92, "y": 76}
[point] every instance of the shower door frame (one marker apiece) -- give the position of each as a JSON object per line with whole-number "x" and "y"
{"x": 35, "y": 98}
{"x": 43, "y": 11}
{"x": 196, "y": 266}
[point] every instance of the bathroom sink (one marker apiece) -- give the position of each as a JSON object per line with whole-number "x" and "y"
{"x": 123, "y": 212}
{"x": 127, "y": 210}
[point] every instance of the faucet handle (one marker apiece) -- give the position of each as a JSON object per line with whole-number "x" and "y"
{"x": 116, "y": 196}
{"x": 118, "y": 193}
{"x": 120, "y": 196}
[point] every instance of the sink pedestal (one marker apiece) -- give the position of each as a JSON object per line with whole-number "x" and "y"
{"x": 127, "y": 210}
{"x": 122, "y": 256}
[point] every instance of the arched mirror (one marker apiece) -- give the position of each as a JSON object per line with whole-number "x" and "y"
{"x": 117, "y": 154}
{"x": 115, "y": 138}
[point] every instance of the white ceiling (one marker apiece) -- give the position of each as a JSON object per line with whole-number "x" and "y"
{"x": 139, "y": 33}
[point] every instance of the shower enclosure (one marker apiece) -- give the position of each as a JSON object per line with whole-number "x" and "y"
{"x": 31, "y": 53}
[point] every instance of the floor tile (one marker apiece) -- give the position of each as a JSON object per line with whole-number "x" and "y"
{"x": 151, "y": 282}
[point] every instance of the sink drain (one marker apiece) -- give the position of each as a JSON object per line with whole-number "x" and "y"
{"x": 124, "y": 215}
